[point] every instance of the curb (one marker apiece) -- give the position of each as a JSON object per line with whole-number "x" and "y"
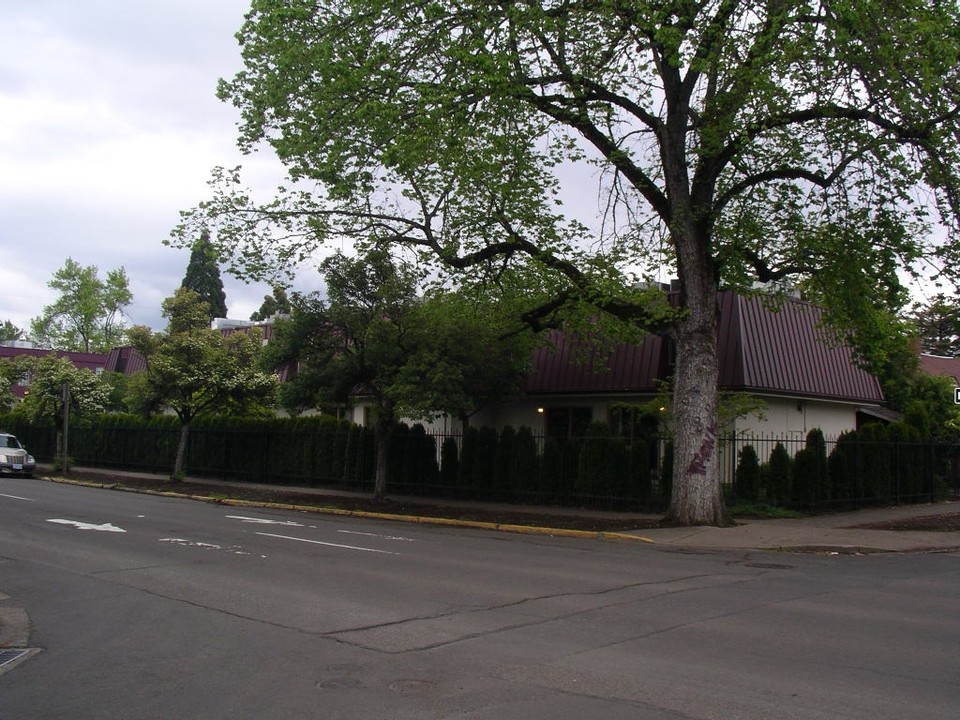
{"x": 415, "y": 519}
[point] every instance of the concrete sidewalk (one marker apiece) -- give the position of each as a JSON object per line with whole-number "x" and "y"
{"x": 837, "y": 532}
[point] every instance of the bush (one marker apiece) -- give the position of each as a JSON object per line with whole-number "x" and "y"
{"x": 746, "y": 485}
{"x": 777, "y": 476}
{"x": 526, "y": 465}
{"x": 449, "y": 462}
{"x": 842, "y": 466}
{"x": 873, "y": 459}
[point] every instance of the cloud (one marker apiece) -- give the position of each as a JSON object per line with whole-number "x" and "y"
{"x": 109, "y": 126}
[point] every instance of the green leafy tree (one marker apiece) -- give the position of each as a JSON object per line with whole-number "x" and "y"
{"x": 357, "y": 340}
{"x": 273, "y": 304}
{"x": 9, "y": 332}
{"x": 203, "y": 276}
{"x": 196, "y": 371}
{"x": 736, "y": 141}
{"x": 931, "y": 409}
{"x": 469, "y": 355}
{"x": 48, "y": 375}
{"x": 88, "y": 316}
{"x": 11, "y": 373}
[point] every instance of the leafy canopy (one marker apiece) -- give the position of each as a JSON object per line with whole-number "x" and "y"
{"x": 195, "y": 370}
{"x": 88, "y": 315}
{"x": 9, "y": 331}
{"x": 730, "y": 141}
{"x": 89, "y": 394}
{"x": 742, "y": 126}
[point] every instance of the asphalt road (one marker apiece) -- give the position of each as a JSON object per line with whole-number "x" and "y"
{"x": 157, "y": 608}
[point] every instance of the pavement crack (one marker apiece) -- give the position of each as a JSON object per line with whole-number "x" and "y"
{"x": 531, "y": 622}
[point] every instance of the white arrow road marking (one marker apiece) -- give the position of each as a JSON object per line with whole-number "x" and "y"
{"x": 376, "y": 535}
{"x": 191, "y": 543}
{"x": 17, "y": 497}
{"x": 234, "y": 549}
{"x": 336, "y": 545}
{"x": 264, "y": 521}
{"x": 106, "y": 527}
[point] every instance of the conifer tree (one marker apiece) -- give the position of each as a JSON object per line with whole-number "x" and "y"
{"x": 203, "y": 276}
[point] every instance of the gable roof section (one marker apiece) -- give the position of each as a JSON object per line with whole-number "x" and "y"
{"x": 93, "y": 362}
{"x": 81, "y": 360}
{"x": 760, "y": 351}
{"x": 787, "y": 351}
{"x": 943, "y": 366}
{"x": 562, "y": 365}
{"x": 126, "y": 360}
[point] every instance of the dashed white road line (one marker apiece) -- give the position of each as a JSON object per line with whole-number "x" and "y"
{"x": 376, "y": 535}
{"x": 264, "y": 521}
{"x": 17, "y": 497}
{"x": 327, "y": 544}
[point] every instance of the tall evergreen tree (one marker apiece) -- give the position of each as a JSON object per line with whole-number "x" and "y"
{"x": 938, "y": 326}
{"x": 203, "y": 276}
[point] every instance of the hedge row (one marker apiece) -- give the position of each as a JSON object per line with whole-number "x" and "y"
{"x": 877, "y": 464}
{"x": 512, "y": 464}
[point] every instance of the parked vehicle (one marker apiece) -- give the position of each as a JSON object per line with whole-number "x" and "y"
{"x": 14, "y": 458}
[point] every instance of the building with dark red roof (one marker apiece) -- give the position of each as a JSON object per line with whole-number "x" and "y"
{"x": 94, "y": 362}
{"x": 948, "y": 367}
{"x": 776, "y": 351}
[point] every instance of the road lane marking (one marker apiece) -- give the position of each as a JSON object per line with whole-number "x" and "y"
{"x": 183, "y": 542}
{"x": 16, "y": 497}
{"x": 336, "y": 545}
{"x": 376, "y": 535}
{"x": 105, "y": 527}
{"x": 264, "y": 521}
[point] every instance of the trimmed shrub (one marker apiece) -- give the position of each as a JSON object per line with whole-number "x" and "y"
{"x": 504, "y": 472}
{"x": 526, "y": 465}
{"x": 777, "y": 476}
{"x": 842, "y": 466}
{"x": 746, "y": 484}
{"x": 449, "y": 462}
{"x": 873, "y": 459}
{"x": 641, "y": 472}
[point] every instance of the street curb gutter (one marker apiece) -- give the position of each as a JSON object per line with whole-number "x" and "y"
{"x": 416, "y": 519}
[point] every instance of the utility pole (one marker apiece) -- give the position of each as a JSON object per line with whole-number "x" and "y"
{"x": 65, "y": 467}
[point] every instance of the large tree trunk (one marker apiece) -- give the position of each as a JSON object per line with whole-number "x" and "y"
{"x": 697, "y": 498}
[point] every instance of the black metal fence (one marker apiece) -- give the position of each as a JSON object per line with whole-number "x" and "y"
{"x": 515, "y": 465}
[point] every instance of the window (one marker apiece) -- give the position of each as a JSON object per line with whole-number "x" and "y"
{"x": 569, "y": 422}
{"x": 632, "y": 423}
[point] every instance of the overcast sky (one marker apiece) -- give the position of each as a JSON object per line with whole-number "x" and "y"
{"x": 109, "y": 126}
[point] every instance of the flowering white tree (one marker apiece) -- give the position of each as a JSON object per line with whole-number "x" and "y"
{"x": 195, "y": 370}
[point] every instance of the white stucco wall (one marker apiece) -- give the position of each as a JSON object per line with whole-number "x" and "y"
{"x": 793, "y": 418}
{"x": 787, "y": 418}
